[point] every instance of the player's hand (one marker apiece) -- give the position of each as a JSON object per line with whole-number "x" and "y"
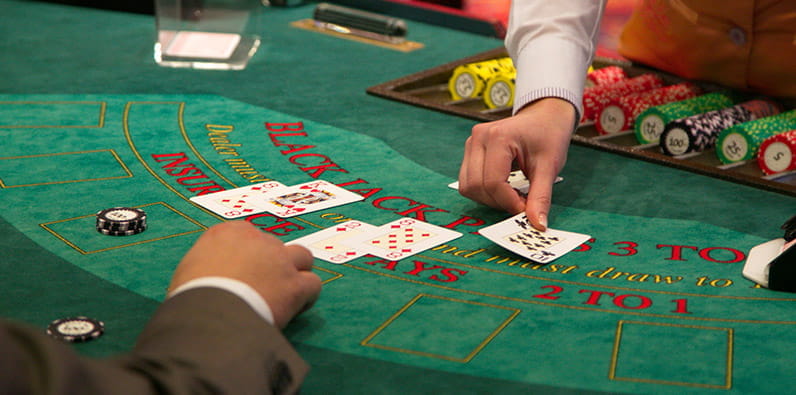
{"x": 280, "y": 274}
{"x": 537, "y": 138}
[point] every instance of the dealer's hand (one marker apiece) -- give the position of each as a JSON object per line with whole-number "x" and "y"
{"x": 537, "y": 137}
{"x": 237, "y": 249}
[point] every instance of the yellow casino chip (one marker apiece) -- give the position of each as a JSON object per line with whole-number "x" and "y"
{"x": 499, "y": 91}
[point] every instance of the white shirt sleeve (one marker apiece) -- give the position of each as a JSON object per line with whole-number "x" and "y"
{"x": 239, "y": 288}
{"x": 552, "y": 44}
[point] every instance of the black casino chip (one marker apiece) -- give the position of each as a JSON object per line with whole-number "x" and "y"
{"x": 121, "y": 221}
{"x": 76, "y": 329}
{"x": 128, "y": 232}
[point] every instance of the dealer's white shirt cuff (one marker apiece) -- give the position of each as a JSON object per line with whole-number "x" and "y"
{"x": 239, "y": 288}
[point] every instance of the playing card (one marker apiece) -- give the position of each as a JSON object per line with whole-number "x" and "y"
{"x": 518, "y": 236}
{"x": 306, "y": 198}
{"x": 330, "y": 244}
{"x": 516, "y": 179}
{"x": 238, "y": 202}
{"x": 402, "y": 238}
{"x": 202, "y": 45}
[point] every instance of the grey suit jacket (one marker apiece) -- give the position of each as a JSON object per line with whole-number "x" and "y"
{"x": 204, "y": 340}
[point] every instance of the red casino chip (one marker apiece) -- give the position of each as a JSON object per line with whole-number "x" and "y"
{"x": 777, "y": 153}
{"x": 621, "y": 113}
{"x": 606, "y": 75}
{"x": 597, "y": 97}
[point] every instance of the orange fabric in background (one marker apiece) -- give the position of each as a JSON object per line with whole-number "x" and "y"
{"x": 488, "y": 9}
{"x": 614, "y": 17}
{"x": 744, "y": 44}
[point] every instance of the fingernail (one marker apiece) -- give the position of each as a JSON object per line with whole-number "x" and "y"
{"x": 543, "y": 220}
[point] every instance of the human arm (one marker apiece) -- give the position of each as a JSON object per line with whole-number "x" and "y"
{"x": 552, "y": 44}
{"x": 202, "y": 340}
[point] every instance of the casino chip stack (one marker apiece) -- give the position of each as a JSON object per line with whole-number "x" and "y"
{"x": 499, "y": 91}
{"x": 469, "y": 80}
{"x": 76, "y": 329}
{"x": 620, "y": 113}
{"x": 606, "y": 76}
{"x": 699, "y": 132}
{"x": 741, "y": 142}
{"x": 650, "y": 124}
{"x": 778, "y": 153}
{"x": 121, "y": 221}
{"x": 596, "y": 97}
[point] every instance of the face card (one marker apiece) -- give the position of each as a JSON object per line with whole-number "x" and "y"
{"x": 402, "y": 238}
{"x": 330, "y": 244}
{"x": 518, "y": 236}
{"x": 238, "y": 202}
{"x": 306, "y": 198}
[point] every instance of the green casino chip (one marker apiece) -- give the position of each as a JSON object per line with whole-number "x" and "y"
{"x": 741, "y": 142}
{"x": 651, "y": 123}
{"x": 76, "y": 329}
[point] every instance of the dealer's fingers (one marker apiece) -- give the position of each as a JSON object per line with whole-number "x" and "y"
{"x": 497, "y": 167}
{"x": 540, "y": 195}
{"x": 470, "y": 173}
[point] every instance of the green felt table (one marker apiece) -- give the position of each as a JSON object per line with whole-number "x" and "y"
{"x": 654, "y": 303}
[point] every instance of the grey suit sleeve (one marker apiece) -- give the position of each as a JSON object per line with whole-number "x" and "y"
{"x": 204, "y": 340}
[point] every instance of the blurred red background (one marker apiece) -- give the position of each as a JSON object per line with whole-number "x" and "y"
{"x": 616, "y": 13}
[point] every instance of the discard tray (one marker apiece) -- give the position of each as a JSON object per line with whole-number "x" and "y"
{"x": 429, "y": 89}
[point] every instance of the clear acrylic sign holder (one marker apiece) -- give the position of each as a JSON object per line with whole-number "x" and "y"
{"x": 207, "y": 34}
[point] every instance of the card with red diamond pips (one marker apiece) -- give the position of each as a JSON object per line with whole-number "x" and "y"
{"x": 238, "y": 202}
{"x": 330, "y": 244}
{"x": 402, "y": 238}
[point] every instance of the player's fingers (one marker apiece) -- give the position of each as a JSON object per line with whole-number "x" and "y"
{"x": 309, "y": 290}
{"x": 299, "y": 256}
{"x": 540, "y": 195}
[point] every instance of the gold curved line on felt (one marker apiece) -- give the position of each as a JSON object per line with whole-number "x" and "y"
{"x": 180, "y": 119}
{"x": 615, "y": 354}
{"x": 128, "y": 137}
{"x": 519, "y": 300}
{"x": 125, "y": 124}
{"x": 607, "y": 286}
{"x": 181, "y": 122}
{"x": 201, "y": 158}
{"x": 468, "y": 357}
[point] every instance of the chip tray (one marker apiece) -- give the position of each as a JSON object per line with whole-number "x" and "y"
{"x": 429, "y": 89}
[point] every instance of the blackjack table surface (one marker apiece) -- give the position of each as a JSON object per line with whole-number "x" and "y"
{"x": 654, "y": 302}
